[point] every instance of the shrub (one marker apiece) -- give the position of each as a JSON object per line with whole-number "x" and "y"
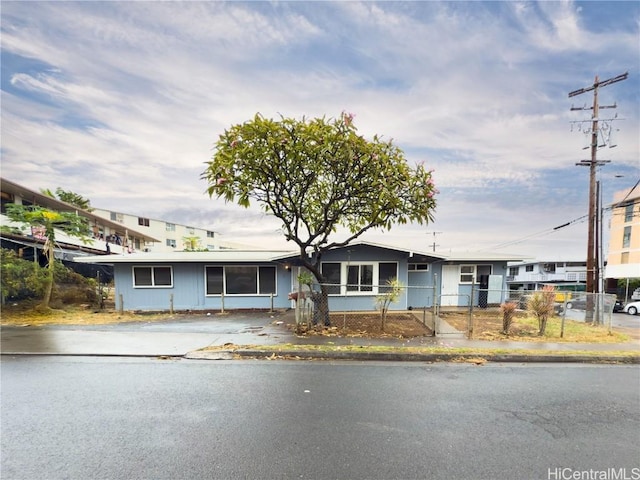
{"x": 542, "y": 304}
{"x": 508, "y": 310}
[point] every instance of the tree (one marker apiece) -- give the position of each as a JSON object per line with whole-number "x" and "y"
{"x": 48, "y": 221}
{"x": 390, "y": 294}
{"x": 316, "y": 176}
{"x": 70, "y": 198}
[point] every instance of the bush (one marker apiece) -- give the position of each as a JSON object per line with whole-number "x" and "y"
{"x": 21, "y": 279}
{"x": 508, "y": 310}
{"x": 542, "y": 305}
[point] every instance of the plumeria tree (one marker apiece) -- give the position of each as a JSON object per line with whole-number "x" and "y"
{"x": 49, "y": 221}
{"x": 317, "y": 176}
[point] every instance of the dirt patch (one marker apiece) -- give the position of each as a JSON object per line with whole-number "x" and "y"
{"x": 403, "y": 325}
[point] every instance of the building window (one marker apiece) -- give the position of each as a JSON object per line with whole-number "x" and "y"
{"x": 332, "y": 273}
{"x": 210, "y": 234}
{"x": 170, "y": 227}
{"x": 360, "y": 278}
{"x": 418, "y": 267}
{"x": 549, "y": 267}
{"x": 152, "y": 277}
{"x": 240, "y": 280}
{"x": 348, "y": 278}
{"x": 628, "y": 213}
{"x": 624, "y": 258}
{"x": 116, "y": 217}
{"x": 514, "y": 271}
{"x": 467, "y": 273}
{"x": 190, "y": 230}
{"x": 143, "y": 221}
{"x": 528, "y": 268}
{"x": 171, "y": 242}
{"x": 626, "y": 237}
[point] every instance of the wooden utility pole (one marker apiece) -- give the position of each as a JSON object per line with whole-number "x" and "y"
{"x": 592, "y": 281}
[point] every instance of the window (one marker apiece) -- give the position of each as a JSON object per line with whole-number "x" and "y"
{"x": 360, "y": 278}
{"x": 626, "y": 237}
{"x": 628, "y": 213}
{"x": 215, "y": 280}
{"x": 240, "y": 280}
{"x": 549, "y": 267}
{"x": 528, "y": 268}
{"x": 171, "y": 242}
{"x": 143, "y": 221}
{"x": 116, "y": 217}
{"x": 514, "y": 271}
{"x": 331, "y": 274}
{"x": 467, "y": 273}
{"x": 418, "y": 267}
{"x": 348, "y": 278}
{"x": 211, "y": 234}
{"x": 190, "y": 230}
{"x": 152, "y": 277}
{"x": 171, "y": 227}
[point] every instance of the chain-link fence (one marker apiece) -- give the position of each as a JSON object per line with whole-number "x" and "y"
{"x": 421, "y": 311}
{"x": 367, "y": 309}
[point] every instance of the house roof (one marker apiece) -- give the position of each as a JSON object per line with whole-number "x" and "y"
{"x": 212, "y": 256}
{"x": 233, "y": 256}
{"x": 50, "y": 202}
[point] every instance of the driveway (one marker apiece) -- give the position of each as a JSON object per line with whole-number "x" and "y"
{"x": 171, "y": 337}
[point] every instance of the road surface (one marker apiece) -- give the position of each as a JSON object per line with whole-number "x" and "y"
{"x": 126, "y": 418}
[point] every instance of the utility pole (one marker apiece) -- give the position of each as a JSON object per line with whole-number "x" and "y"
{"x": 434, "y": 240}
{"x": 593, "y": 163}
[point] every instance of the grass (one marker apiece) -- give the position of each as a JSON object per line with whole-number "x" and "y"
{"x": 466, "y": 352}
{"x": 488, "y": 326}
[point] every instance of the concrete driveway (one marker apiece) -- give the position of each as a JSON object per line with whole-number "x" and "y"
{"x": 171, "y": 337}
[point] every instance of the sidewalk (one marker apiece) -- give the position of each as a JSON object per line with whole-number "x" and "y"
{"x": 281, "y": 341}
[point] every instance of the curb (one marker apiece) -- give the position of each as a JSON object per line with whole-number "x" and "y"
{"x": 410, "y": 357}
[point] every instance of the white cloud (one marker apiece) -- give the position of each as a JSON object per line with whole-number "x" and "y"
{"x": 125, "y": 100}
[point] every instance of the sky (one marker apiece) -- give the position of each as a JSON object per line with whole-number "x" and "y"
{"x": 122, "y": 103}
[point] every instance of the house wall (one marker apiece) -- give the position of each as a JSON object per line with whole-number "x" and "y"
{"x": 188, "y": 291}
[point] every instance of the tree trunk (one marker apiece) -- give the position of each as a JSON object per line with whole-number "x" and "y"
{"x": 49, "y": 287}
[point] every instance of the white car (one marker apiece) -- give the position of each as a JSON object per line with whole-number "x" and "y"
{"x": 632, "y": 308}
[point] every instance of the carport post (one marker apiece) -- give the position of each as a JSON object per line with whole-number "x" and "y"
{"x": 121, "y": 302}
{"x": 171, "y": 304}
{"x": 221, "y": 302}
{"x": 271, "y": 303}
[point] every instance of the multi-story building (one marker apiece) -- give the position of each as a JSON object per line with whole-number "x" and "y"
{"x": 533, "y": 275}
{"x": 623, "y": 259}
{"x": 107, "y": 237}
{"x": 171, "y": 236}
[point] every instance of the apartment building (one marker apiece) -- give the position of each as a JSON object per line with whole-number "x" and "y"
{"x": 107, "y": 237}
{"x": 623, "y": 259}
{"x": 533, "y": 275}
{"x": 171, "y": 236}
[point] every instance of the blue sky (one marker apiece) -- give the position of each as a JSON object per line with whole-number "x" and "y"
{"x": 121, "y": 102}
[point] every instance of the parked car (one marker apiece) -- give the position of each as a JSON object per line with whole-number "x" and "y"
{"x": 632, "y": 308}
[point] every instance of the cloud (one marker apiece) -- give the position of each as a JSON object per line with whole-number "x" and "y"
{"x": 122, "y": 102}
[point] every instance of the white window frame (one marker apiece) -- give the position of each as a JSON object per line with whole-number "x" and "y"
{"x": 344, "y": 275}
{"x": 473, "y": 274}
{"x": 224, "y": 281}
{"x": 153, "y": 276}
{"x": 413, "y": 267}
{"x": 170, "y": 227}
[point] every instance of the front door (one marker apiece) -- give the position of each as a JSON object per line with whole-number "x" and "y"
{"x": 449, "y": 287}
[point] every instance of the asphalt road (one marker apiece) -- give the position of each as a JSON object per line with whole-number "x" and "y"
{"x": 86, "y": 418}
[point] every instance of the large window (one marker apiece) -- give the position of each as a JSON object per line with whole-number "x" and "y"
{"x": 467, "y": 273}
{"x": 240, "y": 280}
{"x": 355, "y": 278}
{"x": 144, "y": 222}
{"x": 152, "y": 277}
